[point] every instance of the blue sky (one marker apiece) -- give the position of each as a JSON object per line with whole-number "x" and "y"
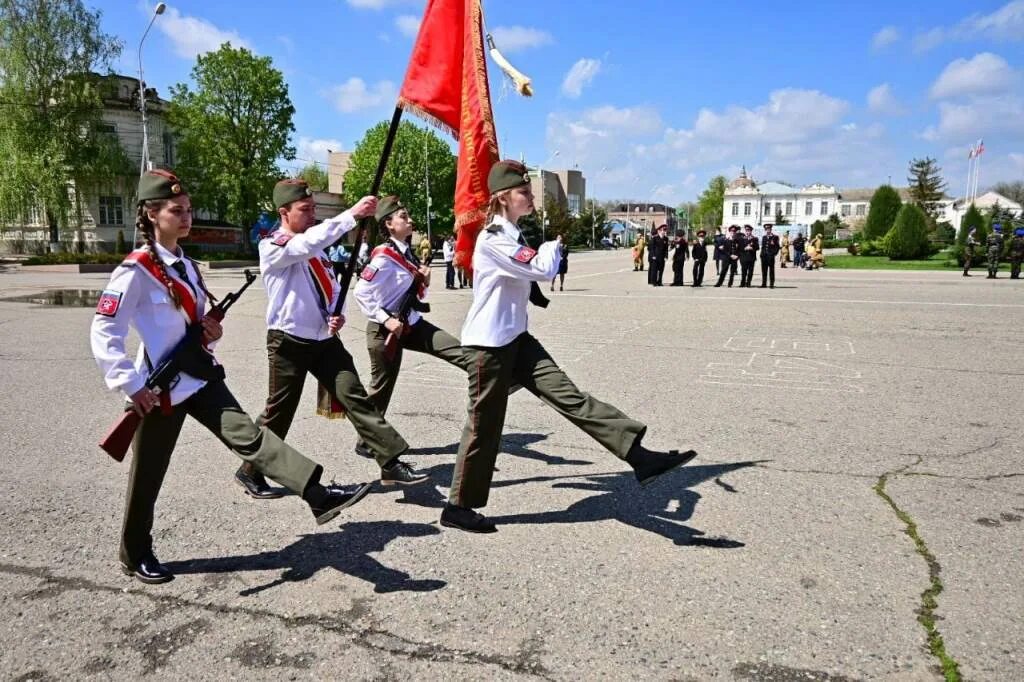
{"x": 662, "y": 94}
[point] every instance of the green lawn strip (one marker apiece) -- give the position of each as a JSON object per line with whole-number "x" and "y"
{"x": 938, "y": 261}
{"x": 929, "y": 598}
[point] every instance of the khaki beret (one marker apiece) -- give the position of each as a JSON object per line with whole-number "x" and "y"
{"x": 159, "y": 183}
{"x": 506, "y": 175}
{"x": 287, "y": 191}
{"x": 388, "y": 205}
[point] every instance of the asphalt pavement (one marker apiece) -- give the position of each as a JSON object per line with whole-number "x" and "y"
{"x": 856, "y": 511}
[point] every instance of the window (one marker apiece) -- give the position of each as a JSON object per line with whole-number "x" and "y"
{"x": 768, "y": 208}
{"x": 107, "y": 128}
{"x": 789, "y": 208}
{"x": 169, "y": 149}
{"x": 35, "y": 215}
{"x": 111, "y": 211}
{"x": 844, "y": 210}
{"x": 735, "y": 208}
{"x": 824, "y": 208}
{"x": 809, "y": 208}
{"x": 574, "y": 204}
{"x": 778, "y": 208}
{"x": 746, "y": 208}
{"x": 861, "y": 209}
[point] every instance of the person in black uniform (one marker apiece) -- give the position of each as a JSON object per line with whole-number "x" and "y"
{"x": 563, "y": 267}
{"x": 770, "y": 246}
{"x": 659, "y": 254}
{"x": 748, "y": 255}
{"x": 718, "y": 253}
{"x": 680, "y": 253}
{"x": 730, "y": 255}
{"x": 700, "y": 257}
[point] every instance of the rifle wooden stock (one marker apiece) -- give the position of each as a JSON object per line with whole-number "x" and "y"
{"x": 119, "y": 438}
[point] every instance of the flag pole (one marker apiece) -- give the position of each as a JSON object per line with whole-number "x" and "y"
{"x": 970, "y": 176}
{"x": 378, "y": 178}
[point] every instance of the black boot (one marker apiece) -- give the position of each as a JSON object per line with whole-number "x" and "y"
{"x": 649, "y": 464}
{"x": 148, "y": 570}
{"x": 466, "y": 519}
{"x": 255, "y": 485}
{"x": 326, "y": 502}
{"x": 364, "y": 451}
{"x": 397, "y": 472}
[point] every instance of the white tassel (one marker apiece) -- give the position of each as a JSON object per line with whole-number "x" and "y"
{"x": 520, "y": 80}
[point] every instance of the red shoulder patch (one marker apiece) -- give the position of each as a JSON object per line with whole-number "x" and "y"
{"x": 109, "y": 302}
{"x": 368, "y": 273}
{"x": 524, "y": 255}
{"x": 280, "y": 238}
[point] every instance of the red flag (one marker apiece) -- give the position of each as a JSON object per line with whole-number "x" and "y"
{"x": 446, "y": 84}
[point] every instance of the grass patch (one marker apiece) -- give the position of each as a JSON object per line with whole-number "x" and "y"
{"x": 938, "y": 261}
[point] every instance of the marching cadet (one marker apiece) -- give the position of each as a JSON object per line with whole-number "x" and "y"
{"x": 769, "y": 250}
{"x": 748, "y": 255}
{"x": 785, "y": 250}
{"x": 970, "y": 246}
{"x": 994, "y": 243}
{"x": 680, "y": 253}
{"x": 1016, "y": 252}
{"x": 383, "y": 284}
{"x": 302, "y": 333}
{"x": 503, "y": 352}
{"x": 638, "y": 253}
{"x": 159, "y": 291}
{"x": 730, "y": 252}
{"x": 700, "y": 258}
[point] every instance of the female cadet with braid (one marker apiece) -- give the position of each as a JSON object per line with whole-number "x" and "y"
{"x": 159, "y": 291}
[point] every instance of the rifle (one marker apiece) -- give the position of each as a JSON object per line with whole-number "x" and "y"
{"x": 410, "y": 301}
{"x": 188, "y": 356}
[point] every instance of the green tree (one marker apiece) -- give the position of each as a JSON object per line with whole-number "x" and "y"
{"x": 927, "y": 188}
{"x": 233, "y": 127}
{"x": 50, "y": 109}
{"x": 1014, "y": 191}
{"x": 908, "y": 238}
{"x": 315, "y": 177}
{"x": 885, "y": 205}
{"x": 972, "y": 219}
{"x": 709, "y": 204}
{"x": 414, "y": 150}
{"x": 592, "y": 225}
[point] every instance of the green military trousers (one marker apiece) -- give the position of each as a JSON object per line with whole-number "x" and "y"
{"x": 291, "y": 358}
{"x": 526, "y": 362}
{"x": 214, "y": 407}
{"x": 422, "y": 337}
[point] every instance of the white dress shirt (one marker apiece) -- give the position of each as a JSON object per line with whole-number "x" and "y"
{"x": 382, "y": 285}
{"x": 502, "y": 272}
{"x": 136, "y": 299}
{"x": 448, "y": 251}
{"x": 294, "y": 305}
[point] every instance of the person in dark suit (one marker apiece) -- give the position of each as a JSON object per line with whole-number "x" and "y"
{"x": 658, "y": 251}
{"x": 680, "y": 253}
{"x": 718, "y": 253}
{"x": 770, "y": 247}
{"x": 700, "y": 257}
{"x": 730, "y": 250}
{"x": 748, "y": 255}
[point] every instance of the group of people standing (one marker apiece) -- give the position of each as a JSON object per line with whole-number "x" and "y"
{"x": 730, "y": 250}
{"x": 994, "y": 246}
{"x": 160, "y": 293}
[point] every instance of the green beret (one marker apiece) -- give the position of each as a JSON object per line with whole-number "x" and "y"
{"x": 159, "y": 183}
{"x": 388, "y": 205}
{"x": 506, "y": 175}
{"x": 287, "y": 191}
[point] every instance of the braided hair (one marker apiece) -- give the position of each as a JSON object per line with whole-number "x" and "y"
{"x": 148, "y": 230}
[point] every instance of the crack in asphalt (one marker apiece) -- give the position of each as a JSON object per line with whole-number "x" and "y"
{"x": 929, "y": 597}
{"x": 525, "y": 661}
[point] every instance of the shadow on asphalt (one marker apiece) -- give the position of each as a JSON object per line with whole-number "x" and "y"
{"x": 347, "y": 551}
{"x": 661, "y": 508}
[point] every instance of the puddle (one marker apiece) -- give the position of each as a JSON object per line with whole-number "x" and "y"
{"x": 67, "y": 298}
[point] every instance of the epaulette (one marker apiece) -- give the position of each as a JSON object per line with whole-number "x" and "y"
{"x": 493, "y": 228}
{"x": 280, "y": 238}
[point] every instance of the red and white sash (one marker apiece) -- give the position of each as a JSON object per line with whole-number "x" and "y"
{"x": 189, "y": 303}
{"x": 392, "y": 253}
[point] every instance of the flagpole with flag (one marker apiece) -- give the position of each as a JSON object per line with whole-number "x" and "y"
{"x": 978, "y": 151}
{"x": 970, "y": 177}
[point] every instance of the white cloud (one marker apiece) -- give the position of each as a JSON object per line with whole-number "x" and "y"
{"x": 985, "y": 73}
{"x": 579, "y": 76}
{"x": 192, "y": 36}
{"x": 885, "y": 37}
{"x": 1006, "y": 23}
{"x": 315, "y": 149}
{"x": 986, "y": 116}
{"x": 881, "y": 100}
{"x": 355, "y": 95}
{"x": 790, "y": 115}
{"x": 511, "y": 39}
{"x": 408, "y": 25}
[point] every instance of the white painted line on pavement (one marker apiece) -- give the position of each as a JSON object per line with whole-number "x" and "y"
{"x": 798, "y": 300}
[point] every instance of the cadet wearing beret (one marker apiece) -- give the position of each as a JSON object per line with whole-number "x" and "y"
{"x": 1016, "y": 252}
{"x": 503, "y": 352}
{"x": 302, "y": 332}
{"x": 154, "y": 290}
{"x": 383, "y": 284}
{"x": 994, "y": 246}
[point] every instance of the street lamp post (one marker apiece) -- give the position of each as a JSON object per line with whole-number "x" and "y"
{"x": 144, "y": 163}
{"x": 426, "y": 172}
{"x": 593, "y": 214}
